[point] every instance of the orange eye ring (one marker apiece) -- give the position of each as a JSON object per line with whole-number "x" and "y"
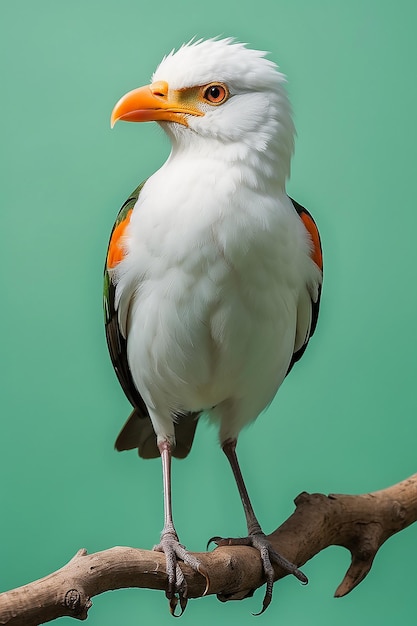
{"x": 215, "y": 93}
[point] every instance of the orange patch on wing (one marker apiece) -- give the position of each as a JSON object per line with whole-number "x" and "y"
{"x": 116, "y": 252}
{"x": 310, "y": 225}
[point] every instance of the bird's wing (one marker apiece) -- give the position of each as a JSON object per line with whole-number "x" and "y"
{"x": 313, "y": 305}
{"x": 138, "y": 431}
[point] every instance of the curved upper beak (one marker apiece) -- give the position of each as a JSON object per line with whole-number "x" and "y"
{"x": 155, "y": 103}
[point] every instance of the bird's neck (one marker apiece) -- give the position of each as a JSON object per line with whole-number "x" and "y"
{"x": 260, "y": 165}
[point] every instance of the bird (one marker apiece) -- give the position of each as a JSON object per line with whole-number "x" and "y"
{"x": 213, "y": 274}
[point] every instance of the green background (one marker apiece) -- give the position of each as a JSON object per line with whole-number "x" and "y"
{"x": 344, "y": 421}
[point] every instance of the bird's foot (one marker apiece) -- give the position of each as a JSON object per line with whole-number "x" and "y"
{"x": 269, "y": 556}
{"x": 177, "y": 585}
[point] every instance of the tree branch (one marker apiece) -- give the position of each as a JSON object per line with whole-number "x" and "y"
{"x": 360, "y": 523}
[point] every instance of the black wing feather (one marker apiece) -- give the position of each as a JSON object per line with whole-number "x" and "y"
{"x": 315, "y": 306}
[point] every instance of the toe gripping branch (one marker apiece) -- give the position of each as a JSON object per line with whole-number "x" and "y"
{"x": 360, "y": 523}
{"x": 177, "y": 588}
{"x": 269, "y": 557}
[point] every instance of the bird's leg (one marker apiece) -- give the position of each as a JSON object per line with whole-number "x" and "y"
{"x": 170, "y": 545}
{"x": 256, "y": 537}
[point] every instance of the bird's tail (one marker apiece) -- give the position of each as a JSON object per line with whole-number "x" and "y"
{"x": 138, "y": 433}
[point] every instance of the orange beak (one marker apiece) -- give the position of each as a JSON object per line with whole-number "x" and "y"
{"x": 156, "y": 103}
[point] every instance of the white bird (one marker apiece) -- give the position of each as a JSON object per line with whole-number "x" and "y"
{"x": 213, "y": 274}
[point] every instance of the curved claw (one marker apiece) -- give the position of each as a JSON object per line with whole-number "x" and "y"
{"x": 215, "y": 540}
{"x": 230, "y": 541}
{"x": 173, "y": 603}
{"x": 265, "y": 603}
{"x": 183, "y": 605}
{"x": 177, "y": 589}
{"x": 202, "y": 570}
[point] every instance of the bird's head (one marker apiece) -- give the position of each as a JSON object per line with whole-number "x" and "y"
{"x": 216, "y": 90}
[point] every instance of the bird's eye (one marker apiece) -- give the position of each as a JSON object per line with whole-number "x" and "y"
{"x": 215, "y": 93}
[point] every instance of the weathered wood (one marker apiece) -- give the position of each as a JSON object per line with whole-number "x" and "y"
{"x": 360, "y": 523}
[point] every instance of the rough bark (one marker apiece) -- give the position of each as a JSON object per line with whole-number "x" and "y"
{"x": 360, "y": 523}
